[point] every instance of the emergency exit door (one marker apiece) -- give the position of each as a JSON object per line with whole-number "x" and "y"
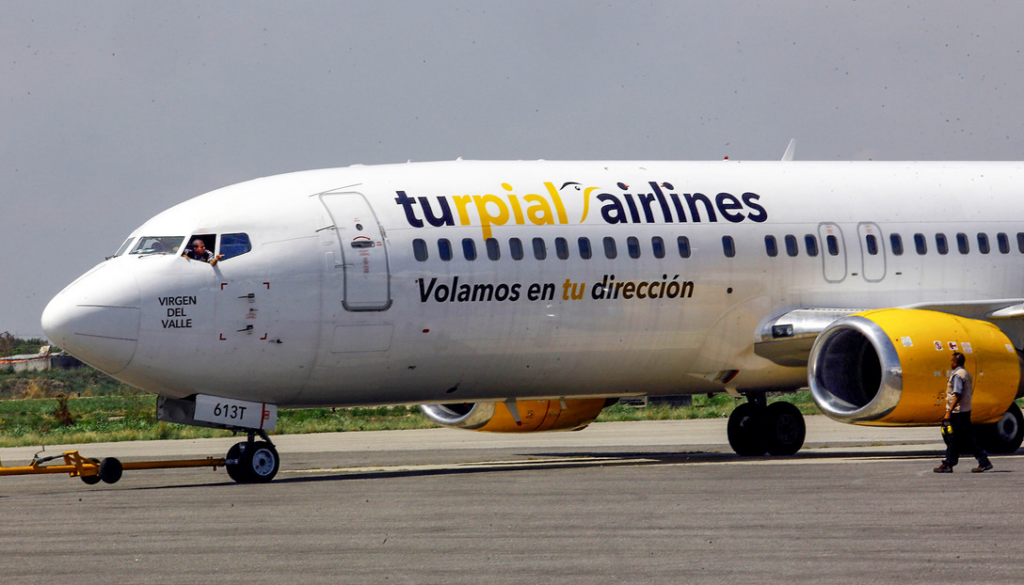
{"x": 362, "y": 250}
{"x": 872, "y": 251}
{"x": 833, "y": 255}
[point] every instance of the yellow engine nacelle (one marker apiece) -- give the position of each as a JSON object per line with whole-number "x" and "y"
{"x": 534, "y": 415}
{"x": 889, "y": 367}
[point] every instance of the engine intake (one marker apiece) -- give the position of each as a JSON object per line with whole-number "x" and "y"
{"x": 889, "y": 367}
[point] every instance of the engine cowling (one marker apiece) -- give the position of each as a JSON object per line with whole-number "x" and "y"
{"x": 534, "y": 415}
{"x": 889, "y": 367}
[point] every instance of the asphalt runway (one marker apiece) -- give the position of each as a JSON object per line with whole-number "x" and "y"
{"x": 654, "y": 502}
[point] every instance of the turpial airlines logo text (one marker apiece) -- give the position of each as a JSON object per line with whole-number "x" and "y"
{"x": 655, "y": 203}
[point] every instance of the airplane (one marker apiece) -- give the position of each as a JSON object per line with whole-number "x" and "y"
{"x": 525, "y": 296}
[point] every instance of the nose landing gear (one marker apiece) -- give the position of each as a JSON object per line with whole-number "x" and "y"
{"x": 756, "y": 428}
{"x": 253, "y": 461}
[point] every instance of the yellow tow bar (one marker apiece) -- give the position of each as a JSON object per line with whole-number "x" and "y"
{"x": 92, "y": 471}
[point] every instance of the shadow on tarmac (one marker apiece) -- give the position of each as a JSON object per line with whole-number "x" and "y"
{"x": 572, "y": 460}
{"x": 576, "y": 460}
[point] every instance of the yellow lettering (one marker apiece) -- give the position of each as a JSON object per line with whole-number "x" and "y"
{"x": 540, "y": 212}
{"x": 558, "y": 203}
{"x": 486, "y": 219}
{"x": 586, "y": 202}
{"x": 462, "y": 202}
{"x": 514, "y": 201}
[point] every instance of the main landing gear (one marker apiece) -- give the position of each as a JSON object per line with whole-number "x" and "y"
{"x": 253, "y": 461}
{"x": 756, "y": 428}
{"x": 1005, "y": 435}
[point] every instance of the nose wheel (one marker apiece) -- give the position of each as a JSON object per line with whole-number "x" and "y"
{"x": 253, "y": 461}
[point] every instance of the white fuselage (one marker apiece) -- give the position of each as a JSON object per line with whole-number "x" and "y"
{"x": 331, "y": 305}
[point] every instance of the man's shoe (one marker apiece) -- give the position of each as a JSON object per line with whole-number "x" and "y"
{"x": 947, "y": 469}
{"x": 981, "y": 468}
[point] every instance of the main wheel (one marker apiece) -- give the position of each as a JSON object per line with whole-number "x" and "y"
{"x": 744, "y": 430}
{"x": 783, "y": 428}
{"x": 1005, "y": 435}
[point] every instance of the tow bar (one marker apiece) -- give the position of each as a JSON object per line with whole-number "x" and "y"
{"x": 108, "y": 470}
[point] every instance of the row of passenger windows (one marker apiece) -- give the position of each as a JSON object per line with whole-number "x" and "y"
{"x": 872, "y": 245}
{"x": 539, "y": 248}
{"x": 963, "y": 243}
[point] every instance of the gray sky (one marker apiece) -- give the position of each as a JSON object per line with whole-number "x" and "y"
{"x": 113, "y": 111}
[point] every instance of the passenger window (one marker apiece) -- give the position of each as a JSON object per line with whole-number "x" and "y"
{"x": 444, "y": 249}
{"x": 159, "y": 245}
{"x": 492, "y": 248}
{"x": 941, "y": 245}
{"x": 896, "y": 243}
{"x": 684, "y": 246}
{"x": 791, "y": 246}
{"x": 771, "y": 246}
{"x": 811, "y": 243}
{"x": 232, "y": 245}
{"x": 124, "y": 247}
{"x": 610, "y": 251}
{"x": 920, "y": 244}
{"x": 872, "y": 244}
{"x": 469, "y": 248}
{"x": 419, "y": 249}
{"x": 833, "y": 245}
{"x": 585, "y": 251}
{"x": 1004, "y": 243}
{"x": 728, "y": 246}
{"x": 1020, "y": 242}
{"x": 562, "y": 248}
{"x": 962, "y": 244}
{"x": 540, "y": 251}
{"x": 201, "y": 247}
{"x": 633, "y": 246}
{"x": 658, "y": 245}
{"x": 983, "y": 243}
{"x": 515, "y": 248}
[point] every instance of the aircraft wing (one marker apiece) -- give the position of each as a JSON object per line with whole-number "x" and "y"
{"x": 786, "y": 337}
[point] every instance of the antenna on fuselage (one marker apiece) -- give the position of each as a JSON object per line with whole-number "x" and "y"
{"x": 788, "y": 155}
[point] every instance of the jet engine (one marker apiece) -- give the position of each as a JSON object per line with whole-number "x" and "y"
{"x": 889, "y": 367}
{"x": 531, "y": 415}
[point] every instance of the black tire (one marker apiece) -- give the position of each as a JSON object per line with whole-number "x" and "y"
{"x": 784, "y": 429}
{"x": 1004, "y": 436}
{"x": 233, "y": 463}
{"x": 261, "y": 462}
{"x": 91, "y": 479}
{"x": 111, "y": 470}
{"x": 252, "y": 463}
{"x": 744, "y": 428}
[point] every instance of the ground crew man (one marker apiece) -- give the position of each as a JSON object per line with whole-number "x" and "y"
{"x": 959, "y": 390}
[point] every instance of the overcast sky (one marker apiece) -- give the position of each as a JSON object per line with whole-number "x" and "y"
{"x": 114, "y": 111}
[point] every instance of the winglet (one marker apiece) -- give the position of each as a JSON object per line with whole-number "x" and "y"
{"x": 788, "y": 155}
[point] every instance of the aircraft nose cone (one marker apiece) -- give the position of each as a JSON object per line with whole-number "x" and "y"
{"x": 96, "y": 318}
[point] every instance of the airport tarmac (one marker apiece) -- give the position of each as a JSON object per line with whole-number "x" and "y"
{"x": 645, "y": 502}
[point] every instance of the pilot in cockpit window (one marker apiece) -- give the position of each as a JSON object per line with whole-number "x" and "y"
{"x": 198, "y": 251}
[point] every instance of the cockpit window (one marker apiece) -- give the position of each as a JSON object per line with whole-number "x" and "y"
{"x": 124, "y": 247}
{"x": 201, "y": 247}
{"x": 232, "y": 245}
{"x": 158, "y": 245}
